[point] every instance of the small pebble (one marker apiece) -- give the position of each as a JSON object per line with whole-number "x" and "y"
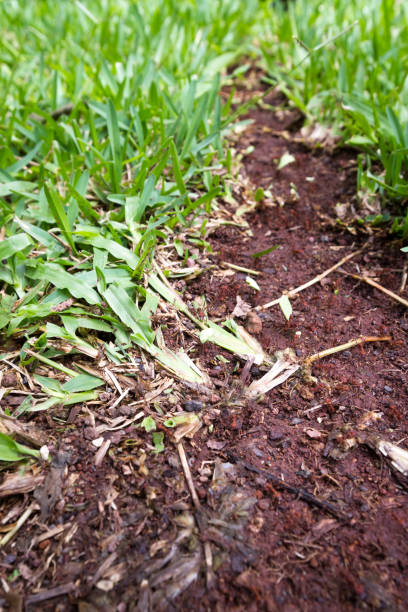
{"x": 295, "y": 421}
{"x": 192, "y": 406}
{"x": 387, "y": 389}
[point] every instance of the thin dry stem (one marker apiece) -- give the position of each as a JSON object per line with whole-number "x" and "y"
{"x": 240, "y": 268}
{"x": 344, "y": 347}
{"x": 23, "y": 518}
{"x": 373, "y": 283}
{"x": 206, "y": 545}
{"x": 187, "y": 474}
{"x": 114, "y": 380}
{"x": 314, "y": 280}
{"x": 404, "y": 278}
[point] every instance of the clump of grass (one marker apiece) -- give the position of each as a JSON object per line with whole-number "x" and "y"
{"x": 110, "y": 125}
{"x": 354, "y": 82}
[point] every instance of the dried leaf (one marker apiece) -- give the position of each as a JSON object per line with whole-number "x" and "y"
{"x": 253, "y": 323}
{"x": 216, "y": 444}
{"x": 284, "y": 367}
{"x": 313, "y": 433}
{"x": 241, "y": 308}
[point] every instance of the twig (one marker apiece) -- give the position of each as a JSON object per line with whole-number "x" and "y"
{"x": 404, "y": 277}
{"x": 240, "y": 268}
{"x": 373, "y": 283}
{"x": 314, "y": 280}
{"x": 198, "y": 514}
{"x": 66, "y": 109}
{"x": 344, "y": 347}
{"x": 120, "y": 398}
{"x": 65, "y": 245}
{"x": 246, "y": 370}
{"x": 62, "y": 589}
{"x": 312, "y": 409}
{"x": 187, "y": 474}
{"x": 109, "y": 561}
{"x": 305, "y": 495}
{"x": 23, "y": 372}
{"x": 123, "y": 423}
{"x": 23, "y": 518}
{"x": 114, "y": 380}
{"x": 101, "y": 453}
{"x": 50, "y": 534}
{"x": 17, "y": 484}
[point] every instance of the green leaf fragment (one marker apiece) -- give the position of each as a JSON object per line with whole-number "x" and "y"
{"x": 285, "y": 160}
{"x": 148, "y": 423}
{"x": 158, "y": 441}
{"x": 239, "y": 343}
{"x": 61, "y": 279}
{"x": 82, "y": 382}
{"x": 14, "y": 244}
{"x": 59, "y": 214}
{"x": 265, "y": 251}
{"x": 286, "y": 307}
{"x": 252, "y": 283}
{"x": 13, "y": 451}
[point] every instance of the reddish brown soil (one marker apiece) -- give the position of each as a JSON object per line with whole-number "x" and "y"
{"x": 272, "y": 550}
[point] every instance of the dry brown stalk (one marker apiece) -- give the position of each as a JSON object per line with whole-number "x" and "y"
{"x": 344, "y": 347}
{"x": 23, "y": 518}
{"x": 373, "y": 283}
{"x": 314, "y": 280}
{"x": 197, "y": 505}
{"x": 187, "y": 474}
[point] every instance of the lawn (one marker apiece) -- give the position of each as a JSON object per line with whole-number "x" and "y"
{"x": 169, "y": 173}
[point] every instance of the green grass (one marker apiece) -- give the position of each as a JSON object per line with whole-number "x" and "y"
{"x": 343, "y": 63}
{"x": 112, "y": 142}
{"x": 87, "y": 194}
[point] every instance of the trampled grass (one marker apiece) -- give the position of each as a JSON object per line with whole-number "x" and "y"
{"x": 112, "y": 141}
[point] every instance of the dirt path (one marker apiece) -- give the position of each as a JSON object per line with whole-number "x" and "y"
{"x": 123, "y": 535}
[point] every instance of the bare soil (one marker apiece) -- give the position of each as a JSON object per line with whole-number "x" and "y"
{"x": 129, "y": 535}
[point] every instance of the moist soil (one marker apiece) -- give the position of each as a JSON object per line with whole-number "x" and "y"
{"x": 298, "y": 510}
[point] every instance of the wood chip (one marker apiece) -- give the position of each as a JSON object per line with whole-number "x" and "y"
{"x": 62, "y": 589}
{"x": 313, "y": 433}
{"x": 51, "y": 533}
{"x": 23, "y": 432}
{"x": 17, "y": 484}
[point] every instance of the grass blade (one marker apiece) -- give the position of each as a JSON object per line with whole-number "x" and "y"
{"x": 58, "y": 212}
